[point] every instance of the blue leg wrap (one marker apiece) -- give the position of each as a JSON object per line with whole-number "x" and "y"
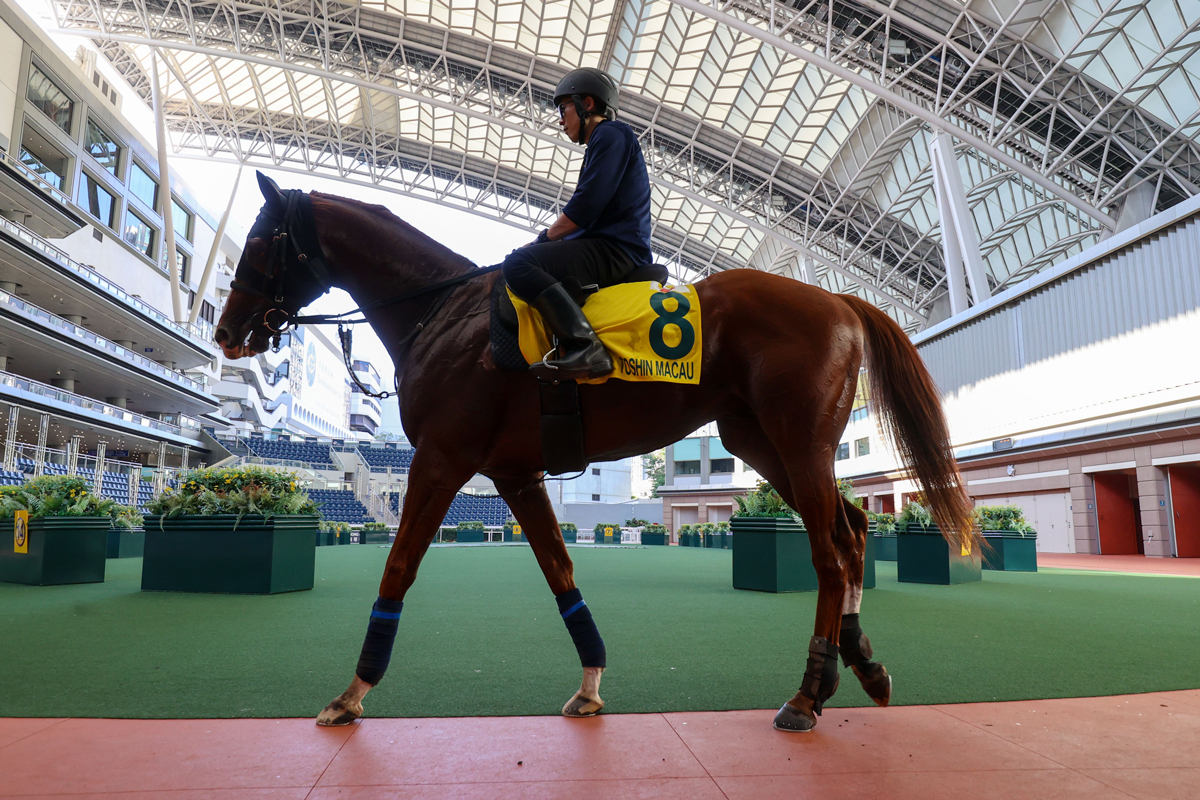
{"x": 582, "y": 628}
{"x": 381, "y": 634}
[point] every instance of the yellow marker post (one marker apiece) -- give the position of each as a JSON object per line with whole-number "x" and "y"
{"x": 516, "y": 532}
{"x": 21, "y": 532}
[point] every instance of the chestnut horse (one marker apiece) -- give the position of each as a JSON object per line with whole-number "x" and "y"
{"x": 780, "y": 365}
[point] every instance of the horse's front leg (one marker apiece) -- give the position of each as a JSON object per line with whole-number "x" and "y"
{"x": 431, "y": 490}
{"x": 527, "y": 499}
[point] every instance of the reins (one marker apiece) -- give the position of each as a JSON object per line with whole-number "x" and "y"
{"x": 295, "y": 232}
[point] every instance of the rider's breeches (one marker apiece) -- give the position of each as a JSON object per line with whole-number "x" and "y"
{"x": 532, "y": 270}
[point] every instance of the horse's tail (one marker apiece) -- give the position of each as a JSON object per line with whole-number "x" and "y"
{"x": 910, "y": 413}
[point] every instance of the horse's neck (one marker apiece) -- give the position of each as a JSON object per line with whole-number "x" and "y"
{"x": 377, "y": 257}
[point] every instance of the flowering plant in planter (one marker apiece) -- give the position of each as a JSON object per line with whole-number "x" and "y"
{"x": 885, "y": 524}
{"x": 654, "y": 527}
{"x": 234, "y": 490}
{"x": 64, "y": 496}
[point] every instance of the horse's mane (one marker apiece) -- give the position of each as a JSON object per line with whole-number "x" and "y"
{"x": 404, "y": 235}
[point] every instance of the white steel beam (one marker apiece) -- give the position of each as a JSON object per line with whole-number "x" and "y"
{"x": 164, "y": 180}
{"x": 959, "y": 238}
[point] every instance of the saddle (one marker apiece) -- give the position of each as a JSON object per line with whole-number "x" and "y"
{"x": 562, "y": 420}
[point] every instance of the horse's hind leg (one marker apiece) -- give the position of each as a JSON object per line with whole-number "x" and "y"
{"x": 431, "y": 490}
{"x": 854, "y": 645}
{"x": 527, "y": 499}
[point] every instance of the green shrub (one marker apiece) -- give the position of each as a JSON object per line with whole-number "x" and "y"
{"x": 340, "y": 528}
{"x": 600, "y": 526}
{"x": 764, "y": 501}
{"x": 235, "y": 490}
{"x": 708, "y": 527}
{"x": 473, "y": 525}
{"x": 375, "y": 526}
{"x": 885, "y": 523}
{"x": 64, "y": 496}
{"x": 568, "y": 526}
{"x": 1002, "y": 518}
{"x": 846, "y": 489}
{"x": 914, "y": 514}
{"x": 636, "y": 523}
{"x": 654, "y": 527}
{"x": 685, "y": 528}
{"x": 722, "y": 527}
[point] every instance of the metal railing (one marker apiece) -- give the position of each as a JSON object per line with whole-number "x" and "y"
{"x": 37, "y": 180}
{"x": 44, "y": 317}
{"x": 177, "y": 425}
{"x": 201, "y": 332}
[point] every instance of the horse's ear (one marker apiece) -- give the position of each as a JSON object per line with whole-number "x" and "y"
{"x": 270, "y": 192}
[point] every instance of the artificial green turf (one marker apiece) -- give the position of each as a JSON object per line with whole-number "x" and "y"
{"x": 481, "y": 635}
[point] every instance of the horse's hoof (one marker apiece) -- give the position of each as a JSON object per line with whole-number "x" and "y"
{"x": 878, "y": 686}
{"x": 794, "y": 720}
{"x": 337, "y": 714}
{"x": 579, "y": 706}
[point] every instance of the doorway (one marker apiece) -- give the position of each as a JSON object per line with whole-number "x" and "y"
{"x": 1117, "y": 515}
{"x": 887, "y": 503}
{"x": 1185, "y": 509}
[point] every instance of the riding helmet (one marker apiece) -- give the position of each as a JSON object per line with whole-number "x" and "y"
{"x": 588, "y": 81}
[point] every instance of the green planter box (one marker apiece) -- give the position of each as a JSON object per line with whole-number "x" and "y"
{"x": 723, "y": 539}
{"x": 885, "y": 546}
{"x": 685, "y": 540}
{"x": 194, "y": 553}
{"x": 60, "y": 550}
{"x": 655, "y": 538}
{"x": 923, "y": 556}
{"x": 471, "y": 536}
{"x": 712, "y": 540}
{"x": 570, "y": 537}
{"x": 326, "y": 538}
{"x": 126, "y": 543}
{"x": 771, "y": 555}
{"x": 869, "y": 564}
{"x": 374, "y": 537}
{"x": 608, "y": 538}
{"x": 1011, "y": 552}
{"x": 348, "y": 537}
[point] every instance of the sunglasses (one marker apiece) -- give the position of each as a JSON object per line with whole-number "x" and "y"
{"x": 562, "y": 110}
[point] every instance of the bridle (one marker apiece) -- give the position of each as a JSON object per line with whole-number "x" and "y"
{"x": 294, "y": 246}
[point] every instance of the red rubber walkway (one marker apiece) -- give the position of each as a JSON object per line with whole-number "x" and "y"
{"x": 1136, "y": 746}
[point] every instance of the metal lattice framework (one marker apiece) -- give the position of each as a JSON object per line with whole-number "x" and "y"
{"x": 784, "y": 136}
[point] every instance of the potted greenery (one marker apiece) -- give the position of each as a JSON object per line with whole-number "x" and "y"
{"x": 924, "y": 556}
{"x": 375, "y": 533}
{"x": 126, "y": 538}
{"x": 232, "y": 530}
{"x": 448, "y": 535}
{"x": 570, "y": 532}
{"x": 654, "y": 534}
{"x": 721, "y": 535}
{"x": 771, "y": 552}
{"x": 471, "y": 532}
{"x": 708, "y": 534}
{"x": 59, "y": 529}
{"x": 885, "y": 536}
{"x": 1013, "y": 541}
{"x": 685, "y": 535}
{"x": 607, "y": 533}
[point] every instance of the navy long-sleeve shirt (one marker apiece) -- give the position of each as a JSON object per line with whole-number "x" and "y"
{"x": 612, "y": 198}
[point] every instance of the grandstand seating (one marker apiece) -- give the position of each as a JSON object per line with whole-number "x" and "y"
{"x": 308, "y": 452}
{"x": 380, "y": 458}
{"x": 339, "y": 505}
{"x": 471, "y": 508}
{"x": 8, "y": 478}
{"x": 114, "y": 486}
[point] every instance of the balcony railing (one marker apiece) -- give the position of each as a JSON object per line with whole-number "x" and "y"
{"x": 184, "y": 423}
{"x": 40, "y": 315}
{"x": 200, "y": 333}
{"x": 36, "y": 180}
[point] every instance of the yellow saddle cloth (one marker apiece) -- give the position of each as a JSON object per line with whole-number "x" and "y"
{"x": 651, "y": 331}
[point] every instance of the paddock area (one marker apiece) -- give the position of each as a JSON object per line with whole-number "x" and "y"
{"x": 481, "y": 637}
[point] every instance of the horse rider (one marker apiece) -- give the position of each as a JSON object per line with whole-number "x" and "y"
{"x": 603, "y": 233}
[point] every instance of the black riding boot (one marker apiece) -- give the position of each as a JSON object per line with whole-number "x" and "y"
{"x": 585, "y": 356}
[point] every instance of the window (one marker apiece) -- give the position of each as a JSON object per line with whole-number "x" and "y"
{"x": 687, "y": 467}
{"x": 43, "y": 158}
{"x": 102, "y": 147}
{"x": 858, "y": 413}
{"x": 97, "y": 200}
{"x": 52, "y": 101}
{"x": 721, "y": 466}
{"x": 595, "y": 470}
{"x": 843, "y": 452}
{"x": 139, "y": 233}
{"x": 143, "y": 186}
{"x": 181, "y": 258}
{"x": 862, "y": 446}
{"x": 182, "y": 218}
{"x": 595, "y": 498}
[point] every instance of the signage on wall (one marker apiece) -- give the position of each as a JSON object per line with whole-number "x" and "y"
{"x": 1002, "y": 444}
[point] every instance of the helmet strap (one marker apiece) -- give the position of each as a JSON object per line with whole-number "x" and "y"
{"x": 580, "y": 112}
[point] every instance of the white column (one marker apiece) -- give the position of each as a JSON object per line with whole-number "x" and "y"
{"x": 212, "y": 254}
{"x": 98, "y": 476}
{"x": 10, "y": 439}
{"x": 73, "y": 449}
{"x": 187, "y": 452}
{"x": 135, "y": 479}
{"x": 39, "y": 455}
{"x": 164, "y": 178}
{"x": 960, "y": 242}
{"x": 160, "y": 475}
